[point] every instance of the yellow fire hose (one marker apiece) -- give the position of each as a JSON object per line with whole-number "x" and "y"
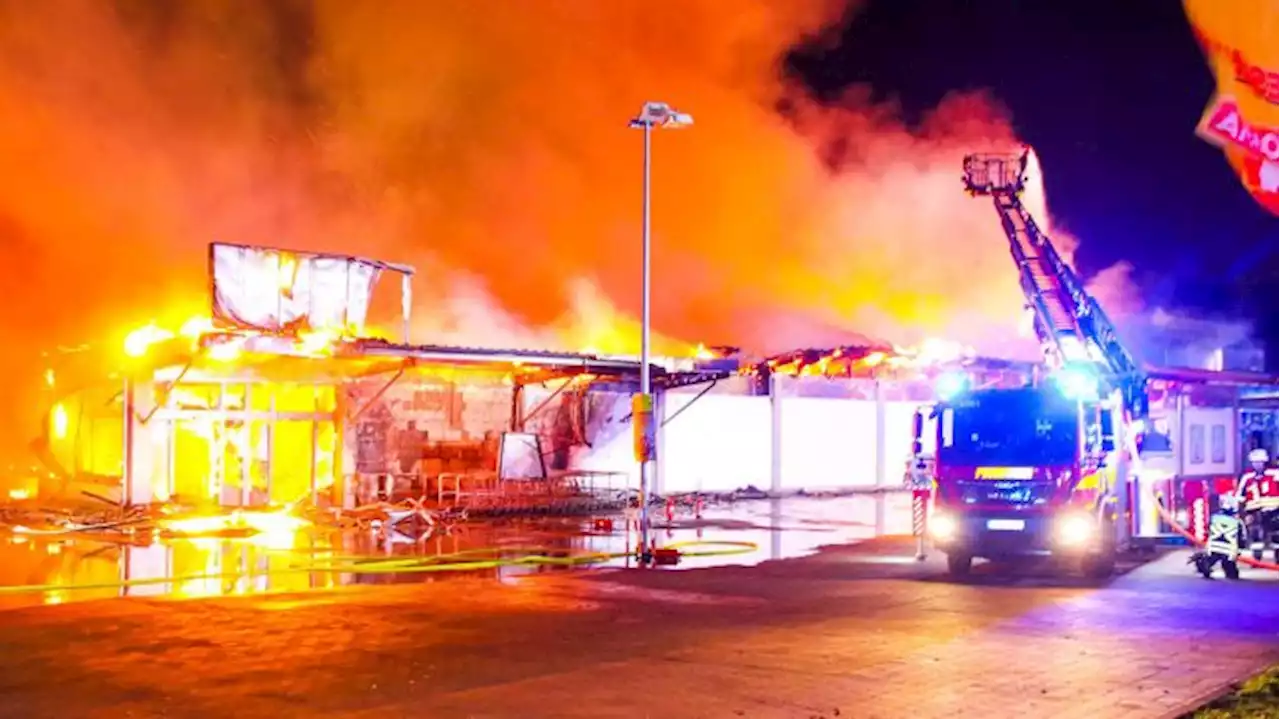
{"x": 456, "y": 562}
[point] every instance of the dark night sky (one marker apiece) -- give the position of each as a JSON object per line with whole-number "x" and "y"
{"x": 1109, "y": 94}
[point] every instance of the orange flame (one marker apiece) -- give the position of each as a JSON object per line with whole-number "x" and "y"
{"x": 138, "y": 342}
{"x": 932, "y": 352}
{"x": 701, "y": 352}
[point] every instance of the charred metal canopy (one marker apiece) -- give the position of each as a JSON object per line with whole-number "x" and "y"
{"x": 867, "y": 359}
{"x": 285, "y": 358}
{"x": 537, "y": 362}
{"x": 812, "y": 355}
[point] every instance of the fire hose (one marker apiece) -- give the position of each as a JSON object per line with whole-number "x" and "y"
{"x": 1199, "y": 543}
{"x": 465, "y": 561}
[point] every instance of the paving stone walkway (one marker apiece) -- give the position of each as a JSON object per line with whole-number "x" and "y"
{"x": 849, "y": 633}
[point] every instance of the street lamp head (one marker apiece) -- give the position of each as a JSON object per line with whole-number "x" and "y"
{"x": 679, "y": 119}
{"x": 660, "y": 114}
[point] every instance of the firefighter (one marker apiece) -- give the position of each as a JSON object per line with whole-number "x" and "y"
{"x": 1223, "y": 546}
{"x": 1258, "y": 495}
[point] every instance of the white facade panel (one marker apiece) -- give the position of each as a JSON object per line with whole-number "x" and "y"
{"x": 828, "y": 443}
{"x": 717, "y": 444}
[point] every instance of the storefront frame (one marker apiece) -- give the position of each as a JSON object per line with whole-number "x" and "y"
{"x": 159, "y": 424}
{"x": 273, "y": 360}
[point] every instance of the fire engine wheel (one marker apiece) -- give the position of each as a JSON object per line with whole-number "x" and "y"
{"x": 958, "y": 565}
{"x": 1231, "y": 569}
{"x": 1100, "y": 566}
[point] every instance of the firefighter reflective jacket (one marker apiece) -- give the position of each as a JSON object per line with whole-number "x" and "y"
{"x": 1224, "y": 536}
{"x": 1259, "y": 492}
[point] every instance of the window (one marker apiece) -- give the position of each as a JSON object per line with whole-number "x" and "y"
{"x": 1009, "y": 429}
{"x": 1197, "y": 444}
{"x": 1218, "y": 444}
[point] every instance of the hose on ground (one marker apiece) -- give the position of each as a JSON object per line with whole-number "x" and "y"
{"x": 1199, "y": 544}
{"x": 465, "y": 561}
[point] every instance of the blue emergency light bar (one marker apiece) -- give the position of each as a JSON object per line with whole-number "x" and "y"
{"x": 950, "y": 384}
{"x": 1077, "y": 383}
{"x": 1074, "y": 382}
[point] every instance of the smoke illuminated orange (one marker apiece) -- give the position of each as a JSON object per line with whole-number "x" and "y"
{"x": 491, "y": 151}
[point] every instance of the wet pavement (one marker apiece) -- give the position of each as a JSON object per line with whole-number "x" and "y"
{"x": 857, "y": 630}
{"x": 54, "y": 570}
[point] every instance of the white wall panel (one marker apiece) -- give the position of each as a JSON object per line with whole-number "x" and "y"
{"x": 898, "y": 420}
{"x": 828, "y": 443}
{"x": 717, "y": 444}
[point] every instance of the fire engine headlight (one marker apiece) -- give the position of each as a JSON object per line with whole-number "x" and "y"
{"x": 1074, "y": 530}
{"x": 942, "y": 527}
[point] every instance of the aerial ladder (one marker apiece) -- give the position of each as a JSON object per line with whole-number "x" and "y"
{"x": 1091, "y": 365}
{"x": 1074, "y": 332}
{"x": 1071, "y": 325}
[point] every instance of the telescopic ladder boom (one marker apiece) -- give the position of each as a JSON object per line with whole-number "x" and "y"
{"x": 1071, "y": 325}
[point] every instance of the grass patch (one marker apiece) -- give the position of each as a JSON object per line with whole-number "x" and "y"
{"x": 1258, "y": 698}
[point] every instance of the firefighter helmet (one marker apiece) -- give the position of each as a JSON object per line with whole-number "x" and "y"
{"x": 1259, "y": 456}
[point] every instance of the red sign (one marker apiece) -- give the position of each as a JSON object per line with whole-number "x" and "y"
{"x": 1227, "y": 126}
{"x": 1251, "y": 148}
{"x": 1239, "y": 39}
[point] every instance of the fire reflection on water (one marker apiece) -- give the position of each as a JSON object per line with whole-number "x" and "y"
{"x": 58, "y": 570}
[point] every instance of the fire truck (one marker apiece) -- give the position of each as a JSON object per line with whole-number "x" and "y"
{"x": 1027, "y": 472}
{"x": 1038, "y": 470}
{"x": 1069, "y": 465}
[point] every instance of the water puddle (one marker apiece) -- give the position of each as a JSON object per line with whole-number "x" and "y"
{"x": 38, "y": 569}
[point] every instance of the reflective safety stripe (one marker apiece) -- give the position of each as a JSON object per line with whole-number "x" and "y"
{"x": 1229, "y": 549}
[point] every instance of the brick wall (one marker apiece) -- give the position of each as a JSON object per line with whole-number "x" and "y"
{"x": 423, "y": 424}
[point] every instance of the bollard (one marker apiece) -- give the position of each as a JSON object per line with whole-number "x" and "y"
{"x": 1200, "y": 519}
{"x": 920, "y": 520}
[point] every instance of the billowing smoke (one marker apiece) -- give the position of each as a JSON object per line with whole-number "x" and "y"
{"x": 1114, "y": 288}
{"x": 486, "y": 143}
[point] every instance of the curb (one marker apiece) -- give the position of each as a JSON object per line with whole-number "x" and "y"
{"x": 1191, "y": 706}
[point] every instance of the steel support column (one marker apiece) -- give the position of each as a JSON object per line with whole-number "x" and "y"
{"x": 775, "y": 436}
{"x": 881, "y": 443}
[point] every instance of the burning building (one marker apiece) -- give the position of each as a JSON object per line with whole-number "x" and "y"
{"x": 284, "y": 395}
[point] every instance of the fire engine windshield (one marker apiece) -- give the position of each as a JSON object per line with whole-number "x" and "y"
{"x": 1011, "y": 429}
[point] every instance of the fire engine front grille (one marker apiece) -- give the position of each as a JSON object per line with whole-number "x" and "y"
{"x": 1005, "y": 492}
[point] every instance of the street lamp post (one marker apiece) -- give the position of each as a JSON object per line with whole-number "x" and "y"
{"x": 652, "y": 115}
